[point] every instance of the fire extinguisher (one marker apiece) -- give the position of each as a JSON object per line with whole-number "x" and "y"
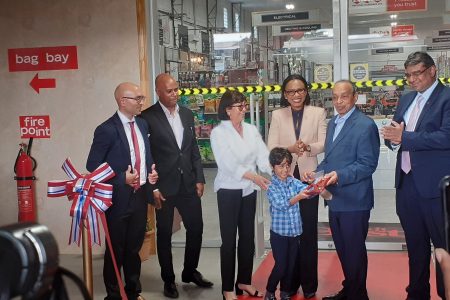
{"x": 23, "y": 168}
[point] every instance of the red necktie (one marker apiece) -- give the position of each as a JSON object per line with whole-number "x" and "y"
{"x": 137, "y": 153}
{"x": 410, "y": 126}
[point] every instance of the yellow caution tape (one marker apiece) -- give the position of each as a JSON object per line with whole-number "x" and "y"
{"x": 277, "y": 88}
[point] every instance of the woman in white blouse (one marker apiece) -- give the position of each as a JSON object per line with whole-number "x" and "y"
{"x": 238, "y": 149}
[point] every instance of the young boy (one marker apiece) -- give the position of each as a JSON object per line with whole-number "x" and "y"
{"x": 284, "y": 193}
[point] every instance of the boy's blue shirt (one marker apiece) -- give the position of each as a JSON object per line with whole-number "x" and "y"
{"x": 286, "y": 219}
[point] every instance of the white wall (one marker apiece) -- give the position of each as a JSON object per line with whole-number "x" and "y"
{"x": 105, "y": 35}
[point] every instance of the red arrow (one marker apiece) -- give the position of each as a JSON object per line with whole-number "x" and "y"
{"x": 47, "y": 83}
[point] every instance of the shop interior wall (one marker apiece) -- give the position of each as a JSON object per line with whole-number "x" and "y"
{"x": 105, "y": 35}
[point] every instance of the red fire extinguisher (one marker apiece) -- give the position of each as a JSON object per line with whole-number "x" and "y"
{"x": 23, "y": 168}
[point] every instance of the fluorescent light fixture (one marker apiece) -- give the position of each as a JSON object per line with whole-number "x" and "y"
{"x": 393, "y": 24}
{"x": 290, "y": 6}
{"x": 393, "y": 17}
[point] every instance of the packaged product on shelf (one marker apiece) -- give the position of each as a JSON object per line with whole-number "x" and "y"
{"x": 217, "y": 103}
{"x": 210, "y": 106}
{"x": 200, "y": 100}
{"x": 193, "y": 102}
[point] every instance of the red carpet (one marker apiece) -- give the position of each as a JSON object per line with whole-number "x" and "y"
{"x": 386, "y": 280}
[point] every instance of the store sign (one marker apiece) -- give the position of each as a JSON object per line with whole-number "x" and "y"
{"x": 403, "y": 30}
{"x": 359, "y": 72}
{"x": 323, "y": 73}
{"x": 283, "y": 17}
{"x": 440, "y": 40}
{"x": 382, "y": 30}
{"x": 385, "y": 6}
{"x": 387, "y": 50}
{"x": 438, "y": 47}
{"x": 444, "y": 32}
{"x": 293, "y": 28}
{"x": 280, "y": 30}
{"x": 406, "y": 5}
{"x": 366, "y": 6}
{"x": 34, "y": 127}
{"x": 43, "y": 58}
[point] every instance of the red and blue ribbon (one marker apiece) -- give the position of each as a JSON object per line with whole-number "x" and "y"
{"x": 90, "y": 198}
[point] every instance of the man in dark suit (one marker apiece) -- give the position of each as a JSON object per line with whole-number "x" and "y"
{"x": 181, "y": 182}
{"x": 420, "y": 132}
{"x": 115, "y": 144}
{"x": 352, "y": 148}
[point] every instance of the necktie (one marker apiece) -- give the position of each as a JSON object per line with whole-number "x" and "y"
{"x": 137, "y": 153}
{"x": 406, "y": 160}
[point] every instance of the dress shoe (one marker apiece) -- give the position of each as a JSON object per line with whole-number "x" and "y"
{"x": 285, "y": 295}
{"x": 197, "y": 278}
{"x": 339, "y": 296}
{"x": 170, "y": 290}
{"x": 309, "y": 295}
{"x": 240, "y": 291}
{"x": 269, "y": 296}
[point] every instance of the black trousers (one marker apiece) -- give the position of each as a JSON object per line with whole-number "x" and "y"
{"x": 190, "y": 209}
{"x": 236, "y": 215}
{"x": 285, "y": 252}
{"x": 349, "y": 230}
{"x": 305, "y": 272}
{"x": 422, "y": 220}
{"x": 127, "y": 233}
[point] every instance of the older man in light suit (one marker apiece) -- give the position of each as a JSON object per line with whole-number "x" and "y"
{"x": 352, "y": 148}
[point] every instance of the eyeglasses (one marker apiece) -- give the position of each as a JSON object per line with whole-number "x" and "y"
{"x": 293, "y": 92}
{"x": 138, "y": 99}
{"x": 416, "y": 73}
{"x": 241, "y": 106}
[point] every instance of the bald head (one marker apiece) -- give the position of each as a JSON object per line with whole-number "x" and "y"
{"x": 124, "y": 89}
{"x": 129, "y": 98}
{"x": 166, "y": 88}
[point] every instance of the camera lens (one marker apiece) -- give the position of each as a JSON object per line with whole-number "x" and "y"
{"x": 28, "y": 260}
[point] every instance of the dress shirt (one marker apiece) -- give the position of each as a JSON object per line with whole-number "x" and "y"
{"x": 426, "y": 95}
{"x": 286, "y": 219}
{"x": 175, "y": 123}
{"x": 126, "y": 125}
{"x": 236, "y": 155}
{"x": 340, "y": 121}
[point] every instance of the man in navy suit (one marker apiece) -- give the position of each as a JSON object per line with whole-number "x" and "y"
{"x": 129, "y": 156}
{"x": 181, "y": 182}
{"x": 352, "y": 148}
{"x": 420, "y": 132}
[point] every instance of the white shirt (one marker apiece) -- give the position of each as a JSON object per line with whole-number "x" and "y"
{"x": 126, "y": 126}
{"x": 175, "y": 122}
{"x": 236, "y": 155}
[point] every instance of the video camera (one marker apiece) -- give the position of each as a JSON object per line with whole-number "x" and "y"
{"x": 29, "y": 264}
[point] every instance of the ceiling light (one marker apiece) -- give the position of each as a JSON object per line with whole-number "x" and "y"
{"x": 393, "y": 17}
{"x": 290, "y": 6}
{"x": 393, "y": 24}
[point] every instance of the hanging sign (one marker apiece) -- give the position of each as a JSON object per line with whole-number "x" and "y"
{"x": 283, "y": 17}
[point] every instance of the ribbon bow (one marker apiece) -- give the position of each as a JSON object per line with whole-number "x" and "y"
{"x": 90, "y": 198}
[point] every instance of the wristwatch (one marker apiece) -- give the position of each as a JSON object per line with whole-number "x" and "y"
{"x": 308, "y": 148}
